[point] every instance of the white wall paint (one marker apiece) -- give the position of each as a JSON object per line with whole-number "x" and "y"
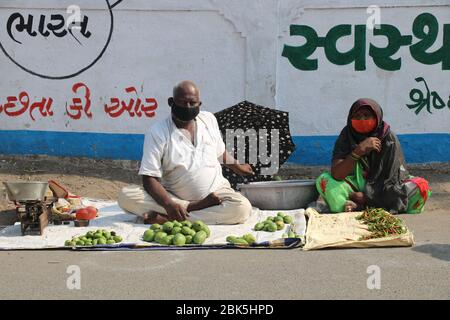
{"x": 231, "y": 48}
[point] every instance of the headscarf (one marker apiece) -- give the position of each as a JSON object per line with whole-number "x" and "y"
{"x": 385, "y": 170}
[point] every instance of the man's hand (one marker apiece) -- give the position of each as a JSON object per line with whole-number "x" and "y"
{"x": 243, "y": 169}
{"x": 368, "y": 145}
{"x": 176, "y": 212}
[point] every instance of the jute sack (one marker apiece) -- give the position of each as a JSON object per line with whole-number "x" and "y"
{"x": 342, "y": 230}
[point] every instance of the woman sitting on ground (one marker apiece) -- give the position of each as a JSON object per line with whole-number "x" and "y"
{"x": 368, "y": 168}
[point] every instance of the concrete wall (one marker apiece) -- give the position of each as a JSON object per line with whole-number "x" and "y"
{"x": 95, "y": 91}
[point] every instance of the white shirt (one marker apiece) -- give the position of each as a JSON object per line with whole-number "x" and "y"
{"x": 190, "y": 172}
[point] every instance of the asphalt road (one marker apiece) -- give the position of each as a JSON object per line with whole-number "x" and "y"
{"x": 420, "y": 272}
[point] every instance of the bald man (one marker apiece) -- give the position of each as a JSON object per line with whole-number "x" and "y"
{"x": 181, "y": 168}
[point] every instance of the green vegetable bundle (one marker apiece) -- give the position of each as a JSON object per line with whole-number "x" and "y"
{"x": 381, "y": 224}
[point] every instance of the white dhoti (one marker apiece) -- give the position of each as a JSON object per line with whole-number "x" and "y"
{"x": 234, "y": 209}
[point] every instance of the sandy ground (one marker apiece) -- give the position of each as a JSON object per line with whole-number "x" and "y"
{"x": 421, "y": 272}
{"x": 102, "y": 178}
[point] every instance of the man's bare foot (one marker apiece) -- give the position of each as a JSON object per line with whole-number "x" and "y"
{"x": 350, "y": 206}
{"x": 155, "y": 217}
{"x": 209, "y": 201}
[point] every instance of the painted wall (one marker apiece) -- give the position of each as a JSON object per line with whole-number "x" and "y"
{"x": 94, "y": 90}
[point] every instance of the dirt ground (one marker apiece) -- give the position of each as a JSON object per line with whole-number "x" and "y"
{"x": 102, "y": 179}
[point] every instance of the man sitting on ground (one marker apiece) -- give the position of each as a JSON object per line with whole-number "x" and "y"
{"x": 181, "y": 168}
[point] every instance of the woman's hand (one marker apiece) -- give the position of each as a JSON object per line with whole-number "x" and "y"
{"x": 367, "y": 146}
{"x": 358, "y": 198}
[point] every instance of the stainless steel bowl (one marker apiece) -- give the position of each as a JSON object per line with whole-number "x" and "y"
{"x": 26, "y": 190}
{"x": 280, "y": 195}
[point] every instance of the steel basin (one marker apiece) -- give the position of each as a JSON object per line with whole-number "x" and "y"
{"x": 26, "y": 190}
{"x": 280, "y": 195}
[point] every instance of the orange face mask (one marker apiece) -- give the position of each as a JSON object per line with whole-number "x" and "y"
{"x": 364, "y": 126}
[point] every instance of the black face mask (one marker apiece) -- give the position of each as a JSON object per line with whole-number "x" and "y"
{"x": 184, "y": 113}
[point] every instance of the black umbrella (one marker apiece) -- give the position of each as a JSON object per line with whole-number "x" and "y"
{"x": 268, "y": 125}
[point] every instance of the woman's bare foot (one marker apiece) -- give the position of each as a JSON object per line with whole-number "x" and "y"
{"x": 209, "y": 201}
{"x": 155, "y": 217}
{"x": 350, "y": 206}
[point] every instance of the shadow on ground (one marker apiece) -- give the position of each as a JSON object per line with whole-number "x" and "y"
{"x": 438, "y": 251}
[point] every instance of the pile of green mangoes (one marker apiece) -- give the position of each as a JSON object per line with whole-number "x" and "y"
{"x": 246, "y": 239}
{"x": 94, "y": 238}
{"x": 174, "y": 233}
{"x": 276, "y": 223}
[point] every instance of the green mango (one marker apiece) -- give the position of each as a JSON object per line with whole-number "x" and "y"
{"x": 288, "y": 220}
{"x": 186, "y": 231}
{"x": 231, "y": 239}
{"x": 167, "y": 227}
{"x": 207, "y": 230}
{"x": 90, "y": 235}
{"x": 107, "y": 235}
{"x": 198, "y": 226}
{"x": 280, "y": 225}
{"x": 281, "y": 214}
{"x": 167, "y": 241}
{"x": 102, "y": 241}
{"x": 175, "y": 231}
{"x": 110, "y": 241}
{"x": 189, "y": 239}
{"x": 270, "y": 219}
{"x": 292, "y": 234}
{"x": 117, "y": 239}
{"x": 240, "y": 241}
{"x": 249, "y": 238}
{"x": 177, "y": 225}
{"x": 160, "y": 236}
{"x": 272, "y": 227}
{"x": 179, "y": 239}
{"x": 276, "y": 219}
{"x": 98, "y": 235}
{"x": 94, "y": 242}
{"x": 186, "y": 223}
{"x": 259, "y": 226}
{"x": 155, "y": 227}
{"x": 83, "y": 238}
{"x": 68, "y": 243}
{"x": 149, "y": 235}
{"x": 80, "y": 243}
{"x": 199, "y": 237}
